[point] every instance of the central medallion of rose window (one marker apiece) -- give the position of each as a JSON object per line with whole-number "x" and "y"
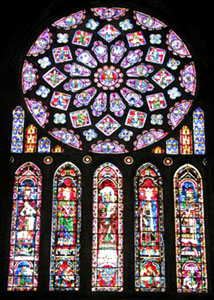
{"x": 108, "y": 77}
{"x": 108, "y": 80}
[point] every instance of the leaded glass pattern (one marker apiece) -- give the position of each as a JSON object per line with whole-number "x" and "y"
{"x": 25, "y": 229}
{"x": 108, "y": 80}
{"x": 107, "y": 232}
{"x": 149, "y": 230}
{"x": 190, "y": 231}
{"x": 66, "y": 226}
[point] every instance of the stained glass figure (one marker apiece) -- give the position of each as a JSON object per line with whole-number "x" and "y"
{"x": 107, "y": 232}
{"x": 65, "y": 233}
{"x": 17, "y": 130}
{"x": 30, "y": 139}
{"x": 199, "y": 131}
{"x": 83, "y": 60}
{"x": 149, "y": 230}
{"x": 190, "y": 231}
{"x": 186, "y": 140}
{"x": 25, "y": 229}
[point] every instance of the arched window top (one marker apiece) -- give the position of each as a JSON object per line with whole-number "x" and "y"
{"x": 188, "y": 171}
{"x": 108, "y": 88}
{"x": 148, "y": 169}
{"x": 28, "y": 169}
{"x": 73, "y": 170}
{"x": 107, "y": 169}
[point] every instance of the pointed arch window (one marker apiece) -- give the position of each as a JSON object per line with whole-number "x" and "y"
{"x": 66, "y": 225}
{"x": 107, "y": 232}
{"x": 149, "y": 230}
{"x": 25, "y": 229}
{"x": 190, "y": 230}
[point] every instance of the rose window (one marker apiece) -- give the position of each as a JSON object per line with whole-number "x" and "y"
{"x": 108, "y": 80}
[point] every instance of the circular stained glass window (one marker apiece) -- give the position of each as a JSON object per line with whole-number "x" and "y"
{"x": 108, "y": 80}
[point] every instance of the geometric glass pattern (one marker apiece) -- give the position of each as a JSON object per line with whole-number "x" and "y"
{"x": 155, "y": 55}
{"x": 107, "y": 231}
{"x": 65, "y": 233}
{"x": 107, "y": 125}
{"x": 163, "y": 78}
{"x": 149, "y": 230}
{"x": 136, "y": 39}
{"x": 172, "y": 146}
{"x": 82, "y": 38}
{"x": 190, "y": 231}
{"x": 25, "y": 229}
{"x": 199, "y": 131}
{"x": 109, "y": 33}
{"x": 54, "y": 77}
{"x": 62, "y": 54}
{"x": 44, "y": 145}
{"x": 107, "y": 60}
{"x": 17, "y": 130}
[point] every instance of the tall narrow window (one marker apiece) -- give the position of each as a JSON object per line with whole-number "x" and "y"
{"x": 149, "y": 229}
{"x": 17, "y": 130}
{"x": 199, "y": 131}
{"x": 107, "y": 242}
{"x": 190, "y": 230}
{"x": 25, "y": 229}
{"x": 66, "y": 223}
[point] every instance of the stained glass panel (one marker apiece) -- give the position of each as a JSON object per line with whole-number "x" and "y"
{"x": 44, "y": 145}
{"x": 199, "y": 131}
{"x": 17, "y": 130}
{"x": 30, "y": 139}
{"x": 107, "y": 232}
{"x": 65, "y": 233}
{"x": 172, "y": 146}
{"x": 186, "y": 140}
{"x": 149, "y": 230}
{"x": 190, "y": 231}
{"x": 25, "y": 229}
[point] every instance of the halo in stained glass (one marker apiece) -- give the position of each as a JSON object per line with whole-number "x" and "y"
{"x": 109, "y": 69}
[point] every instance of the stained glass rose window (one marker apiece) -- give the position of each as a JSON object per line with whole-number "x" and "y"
{"x": 108, "y": 80}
